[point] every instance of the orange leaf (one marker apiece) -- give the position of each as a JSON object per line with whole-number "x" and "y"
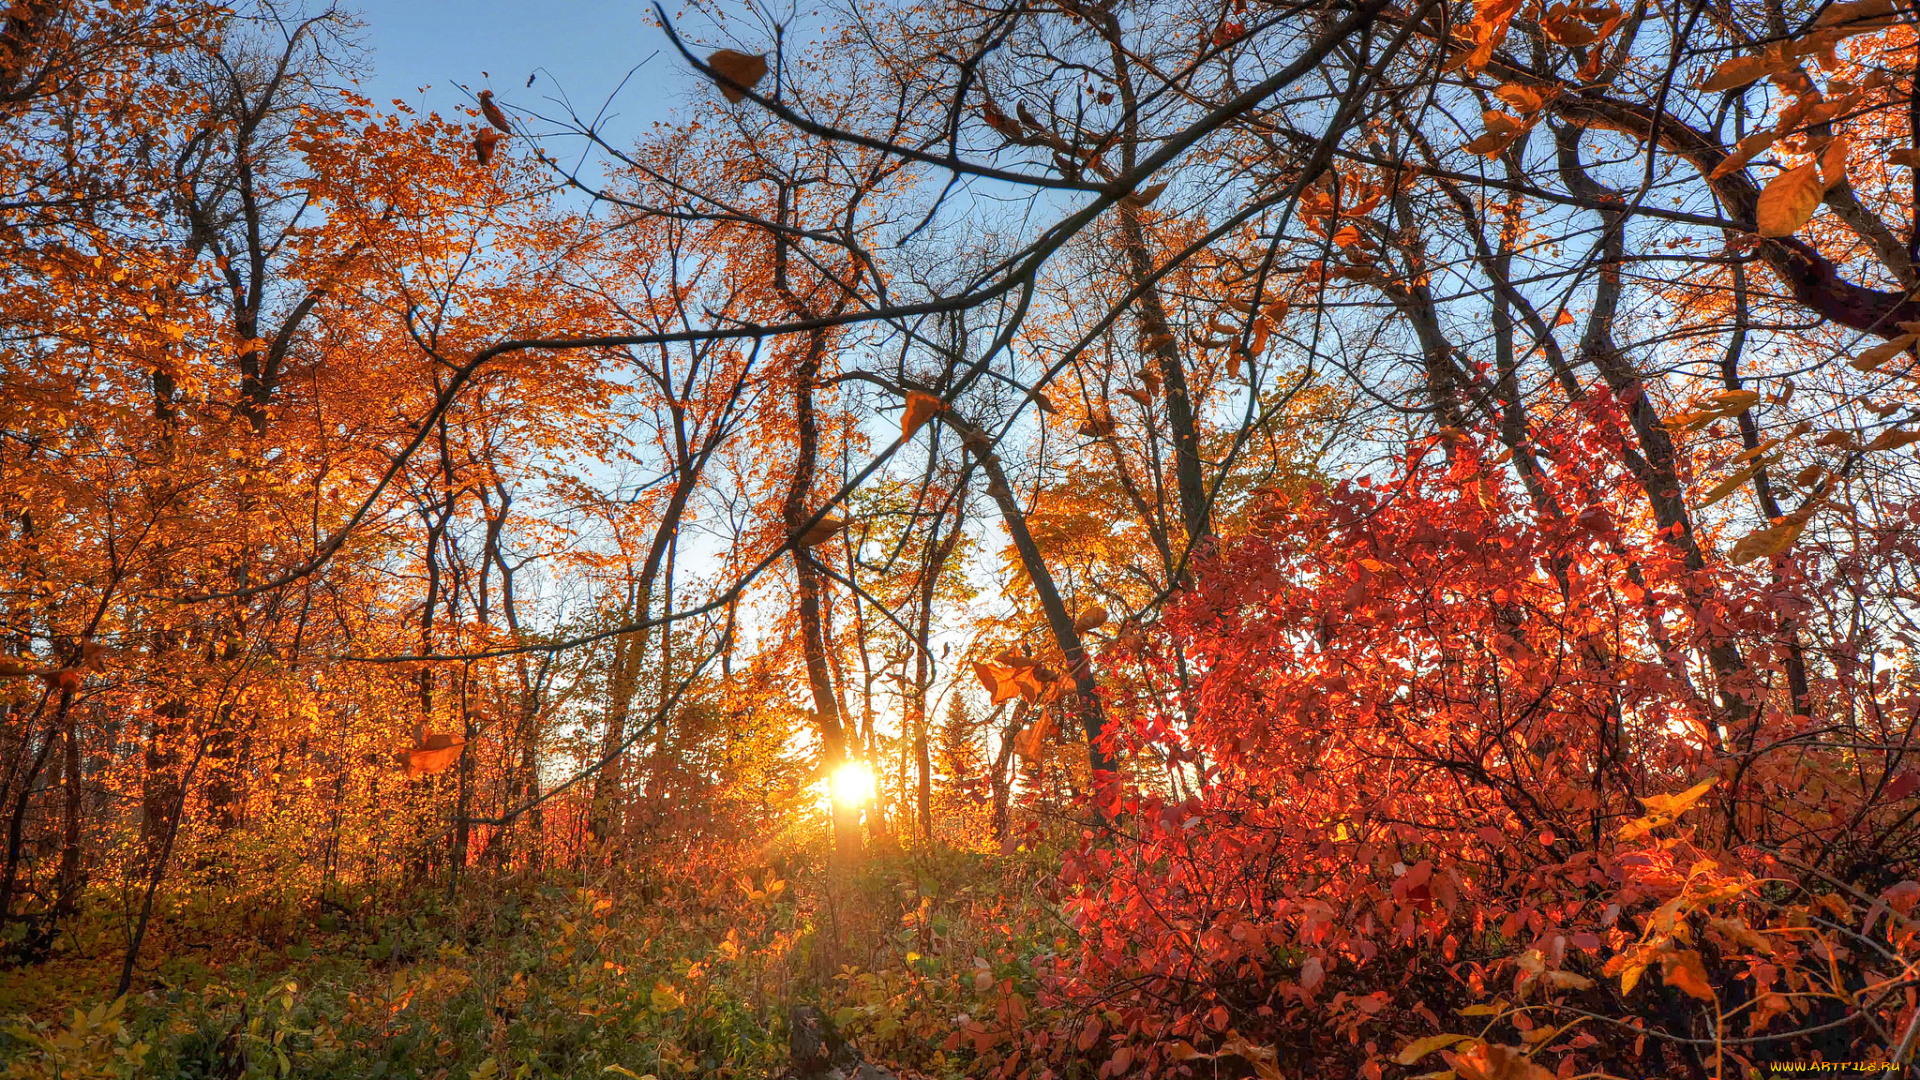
{"x": 493, "y": 114}
{"x": 435, "y": 754}
{"x": 484, "y": 141}
{"x": 1740, "y": 71}
{"x": 1090, "y": 619}
{"x": 1744, "y": 152}
{"x": 822, "y": 531}
{"x": 1684, "y": 971}
{"x": 920, "y": 409}
{"x": 1031, "y": 743}
{"x": 737, "y": 72}
{"x": 1524, "y": 98}
{"x": 1880, "y": 354}
{"x": 1771, "y": 540}
{"x": 1097, "y": 427}
{"x": 1833, "y": 163}
{"x": 1789, "y": 200}
{"x": 1894, "y": 439}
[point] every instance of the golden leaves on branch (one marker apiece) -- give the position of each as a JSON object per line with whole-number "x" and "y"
{"x": 920, "y": 409}
{"x": 93, "y": 657}
{"x": 1781, "y": 59}
{"x": 737, "y": 72}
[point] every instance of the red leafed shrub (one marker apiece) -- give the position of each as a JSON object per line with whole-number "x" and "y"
{"x": 1493, "y": 782}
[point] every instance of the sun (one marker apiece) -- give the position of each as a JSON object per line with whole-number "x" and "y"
{"x": 852, "y": 784}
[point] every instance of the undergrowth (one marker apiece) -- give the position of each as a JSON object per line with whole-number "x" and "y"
{"x": 672, "y": 965}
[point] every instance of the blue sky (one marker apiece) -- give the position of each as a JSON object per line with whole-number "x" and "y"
{"x": 582, "y": 47}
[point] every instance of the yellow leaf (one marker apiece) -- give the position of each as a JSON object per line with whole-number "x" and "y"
{"x": 1745, "y": 152}
{"x": 1420, "y": 1048}
{"x": 737, "y": 71}
{"x": 1731, "y": 402}
{"x": 1833, "y": 162}
{"x": 1680, "y": 802}
{"x": 1740, "y": 71}
{"x": 920, "y": 409}
{"x": 1880, "y": 354}
{"x": 822, "y": 531}
{"x": 1630, "y": 977}
{"x": 1789, "y": 200}
{"x": 665, "y": 998}
{"x": 1730, "y": 485}
{"x": 1771, "y": 540}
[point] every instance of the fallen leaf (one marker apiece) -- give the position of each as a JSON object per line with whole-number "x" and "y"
{"x": 821, "y": 532}
{"x": 484, "y": 141}
{"x": 1683, "y": 970}
{"x": 493, "y": 114}
{"x": 1145, "y": 196}
{"x": 1096, "y": 427}
{"x": 1789, "y": 200}
{"x": 1090, "y": 619}
{"x": 1771, "y": 540}
{"x": 1741, "y": 71}
{"x": 737, "y": 72}
{"x": 1880, "y": 354}
{"x": 920, "y": 409}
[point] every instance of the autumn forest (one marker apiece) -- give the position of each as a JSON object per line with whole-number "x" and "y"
{"x": 1045, "y": 539}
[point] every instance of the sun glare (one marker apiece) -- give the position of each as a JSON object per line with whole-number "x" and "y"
{"x": 852, "y": 784}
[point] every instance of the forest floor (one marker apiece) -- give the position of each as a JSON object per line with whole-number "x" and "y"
{"x": 683, "y": 966}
